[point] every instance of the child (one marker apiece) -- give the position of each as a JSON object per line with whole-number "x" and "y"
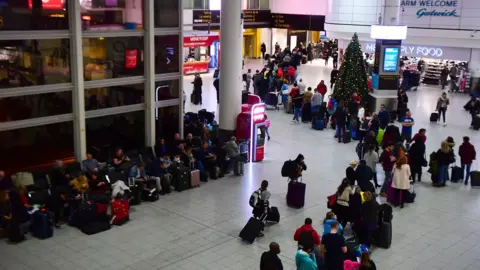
{"x": 329, "y": 219}
{"x": 267, "y": 126}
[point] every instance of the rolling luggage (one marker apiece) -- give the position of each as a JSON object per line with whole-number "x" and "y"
{"x": 42, "y": 224}
{"x": 457, "y": 174}
{"x": 251, "y": 230}
{"x": 85, "y": 213}
{"x": 296, "y": 194}
{"x": 434, "y": 117}
{"x": 136, "y": 189}
{"x": 193, "y": 100}
{"x": 96, "y": 226}
{"x": 476, "y": 123}
{"x": 182, "y": 179}
{"x": 475, "y": 179}
{"x": 195, "y": 178}
{"x": 385, "y": 213}
{"x": 347, "y": 137}
{"x": 120, "y": 212}
{"x": 271, "y": 99}
{"x": 318, "y": 124}
{"x": 391, "y": 198}
{"x": 383, "y": 235}
{"x": 273, "y": 215}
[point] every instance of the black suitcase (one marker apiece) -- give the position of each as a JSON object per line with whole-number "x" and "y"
{"x": 434, "y": 117}
{"x": 475, "y": 179}
{"x": 85, "y": 213}
{"x": 150, "y": 195}
{"x": 347, "y": 136}
{"x": 476, "y": 123}
{"x": 96, "y": 226}
{"x": 383, "y": 235}
{"x": 136, "y": 194}
{"x": 251, "y": 230}
{"x": 273, "y": 215}
{"x": 457, "y": 174}
{"x": 296, "y": 194}
{"x": 182, "y": 179}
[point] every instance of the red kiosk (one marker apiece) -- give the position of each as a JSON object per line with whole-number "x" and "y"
{"x": 251, "y": 127}
{"x": 201, "y": 51}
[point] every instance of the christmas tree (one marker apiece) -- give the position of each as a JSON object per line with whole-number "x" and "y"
{"x": 352, "y": 76}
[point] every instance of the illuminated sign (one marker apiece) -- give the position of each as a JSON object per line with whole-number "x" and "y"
{"x": 131, "y": 58}
{"x": 257, "y": 110}
{"x": 433, "y": 8}
{"x": 258, "y": 113}
{"x": 48, "y": 4}
{"x": 299, "y": 22}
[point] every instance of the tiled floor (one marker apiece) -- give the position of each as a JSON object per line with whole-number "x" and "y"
{"x": 198, "y": 228}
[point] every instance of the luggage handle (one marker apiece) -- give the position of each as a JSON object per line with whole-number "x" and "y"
{"x": 301, "y": 179}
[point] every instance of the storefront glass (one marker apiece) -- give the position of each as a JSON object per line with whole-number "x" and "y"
{"x": 167, "y": 90}
{"x": 167, "y": 13}
{"x": 200, "y": 4}
{"x": 264, "y": 4}
{"x": 29, "y": 146}
{"x": 115, "y": 96}
{"x": 34, "y": 62}
{"x": 253, "y": 4}
{"x": 116, "y": 57}
{"x": 126, "y": 131}
{"x": 34, "y": 106}
{"x": 33, "y": 15}
{"x": 104, "y": 15}
{"x": 167, "y": 54}
{"x": 167, "y": 121}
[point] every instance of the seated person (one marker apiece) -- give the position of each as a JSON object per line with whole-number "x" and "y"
{"x": 207, "y": 158}
{"x": 159, "y": 172}
{"x": 91, "y": 165}
{"x": 174, "y": 145}
{"x": 8, "y": 221}
{"x": 5, "y": 181}
{"x": 160, "y": 148}
{"x": 327, "y": 222}
{"x": 23, "y": 195}
{"x": 166, "y": 159}
{"x": 60, "y": 176}
{"x": 120, "y": 160}
{"x": 190, "y": 141}
{"x": 187, "y": 160}
{"x": 222, "y": 159}
{"x": 98, "y": 186}
{"x": 138, "y": 172}
{"x": 79, "y": 185}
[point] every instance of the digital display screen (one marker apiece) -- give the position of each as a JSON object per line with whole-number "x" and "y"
{"x": 390, "y": 59}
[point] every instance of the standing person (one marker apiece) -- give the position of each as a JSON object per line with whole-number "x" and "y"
{"x": 302, "y": 86}
{"x": 197, "y": 88}
{"x": 368, "y": 214}
{"x": 371, "y": 158}
{"x": 317, "y": 100}
{"x": 342, "y": 204}
{"x": 445, "y": 157}
{"x": 330, "y": 217}
{"x": 270, "y": 259}
{"x": 333, "y": 76}
{"x": 444, "y": 76}
{"x": 453, "y": 78}
{"x": 297, "y": 103}
{"x": 416, "y": 157}
{"x": 334, "y": 248}
{"x": 407, "y": 124}
{"x": 307, "y": 106}
{"x": 401, "y": 179}
{"x": 306, "y": 235}
{"x": 340, "y": 116}
{"x": 473, "y": 107}
{"x": 442, "y": 104}
{"x": 402, "y": 104}
{"x": 383, "y": 117}
{"x": 322, "y": 88}
{"x": 267, "y": 127}
{"x": 421, "y": 134}
{"x": 350, "y": 172}
{"x": 366, "y": 263}
{"x": 335, "y": 59}
{"x": 305, "y": 259}
{"x": 248, "y": 81}
{"x": 216, "y": 84}
{"x": 326, "y": 55}
{"x": 261, "y": 206}
{"x": 467, "y": 154}
{"x": 388, "y": 160}
{"x": 263, "y": 49}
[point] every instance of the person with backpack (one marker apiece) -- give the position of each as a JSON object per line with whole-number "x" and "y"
{"x": 259, "y": 200}
{"x": 342, "y": 205}
{"x": 306, "y": 236}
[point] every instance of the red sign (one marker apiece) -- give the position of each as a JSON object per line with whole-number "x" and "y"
{"x": 195, "y": 67}
{"x": 48, "y": 4}
{"x": 131, "y": 58}
{"x": 199, "y": 41}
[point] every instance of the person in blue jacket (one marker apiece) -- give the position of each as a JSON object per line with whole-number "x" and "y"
{"x": 327, "y": 222}
{"x": 383, "y": 117}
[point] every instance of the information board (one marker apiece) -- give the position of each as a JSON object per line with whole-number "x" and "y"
{"x": 206, "y": 16}
{"x": 390, "y": 59}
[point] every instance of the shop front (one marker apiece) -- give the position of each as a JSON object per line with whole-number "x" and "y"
{"x": 202, "y": 52}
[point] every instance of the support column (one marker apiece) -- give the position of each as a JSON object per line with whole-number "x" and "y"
{"x": 76, "y": 69}
{"x": 150, "y": 105}
{"x": 181, "y": 111}
{"x": 231, "y": 30}
{"x": 391, "y": 12}
{"x": 474, "y": 66}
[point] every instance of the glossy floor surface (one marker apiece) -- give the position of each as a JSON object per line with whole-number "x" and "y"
{"x": 198, "y": 228}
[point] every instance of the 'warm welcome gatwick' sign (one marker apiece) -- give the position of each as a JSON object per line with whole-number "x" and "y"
{"x": 433, "y": 8}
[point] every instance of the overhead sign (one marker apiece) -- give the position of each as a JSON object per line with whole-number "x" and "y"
{"x": 298, "y": 22}
{"x": 433, "y": 8}
{"x": 199, "y": 41}
{"x": 427, "y": 51}
{"x": 206, "y": 16}
{"x": 256, "y": 16}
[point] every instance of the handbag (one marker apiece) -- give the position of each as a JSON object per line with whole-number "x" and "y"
{"x": 424, "y": 161}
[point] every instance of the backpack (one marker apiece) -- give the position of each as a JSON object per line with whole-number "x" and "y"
{"x": 254, "y": 198}
{"x": 289, "y": 168}
{"x": 306, "y": 239}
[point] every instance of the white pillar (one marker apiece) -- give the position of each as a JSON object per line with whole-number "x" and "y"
{"x": 180, "y": 83}
{"x": 231, "y": 31}
{"x": 474, "y": 67}
{"x": 391, "y": 12}
{"x": 150, "y": 104}
{"x": 76, "y": 66}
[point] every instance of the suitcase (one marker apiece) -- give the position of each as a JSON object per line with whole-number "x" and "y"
{"x": 101, "y": 209}
{"x": 289, "y": 107}
{"x": 183, "y": 179}
{"x": 150, "y": 195}
{"x": 347, "y": 137}
{"x": 383, "y": 235}
{"x": 97, "y": 226}
{"x": 410, "y": 196}
{"x": 136, "y": 194}
{"x": 475, "y": 179}
{"x": 251, "y": 230}
{"x": 457, "y": 174}
{"x": 42, "y": 224}
{"x": 391, "y": 198}
{"x": 85, "y": 213}
{"x": 385, "y": 214}
{"x": 296, "y": 194}
{"x": 273, "y": 215}
{"x": 195, "y": 178}
{"x": 192, "y": 99}
{"x": 434, "y": 117}
{"x": 120, "y": 212}
{"x": 318, "y": 124}
{"x": 476, "y": 123}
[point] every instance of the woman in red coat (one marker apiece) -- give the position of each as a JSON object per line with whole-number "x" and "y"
{"x": 467, "y": 155}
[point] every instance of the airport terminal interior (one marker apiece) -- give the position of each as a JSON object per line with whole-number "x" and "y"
{"x": 198, "y": 228}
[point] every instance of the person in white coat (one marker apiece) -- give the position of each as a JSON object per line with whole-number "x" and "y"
{"x": 401, "y": 179}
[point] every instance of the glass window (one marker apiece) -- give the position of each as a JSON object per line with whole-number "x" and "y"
{"x": 30, "y": 147}
{"x": 199, "y": 4}
{"x": 116, "y": 57}
{"x": 104, "y": 15}
{"x": 33, "y": 15}
{"x": 166, "y": 54}
{"x": 167, "y": 13}
{"x": 264, "y": 4}
{"x": 115, "y": 96}
{"x": 167, "y": 121}
{"x": 167, "y": 90}
{"x": 188, "y": 4}
{"x": 34, "y": 106}
{"x": 253, "y": 4}
{"x": 126, "y": 131}
{"x": 34, "y": 62}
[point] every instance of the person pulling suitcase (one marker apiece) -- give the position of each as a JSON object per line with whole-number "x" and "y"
{"x": 259, "y": 200}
